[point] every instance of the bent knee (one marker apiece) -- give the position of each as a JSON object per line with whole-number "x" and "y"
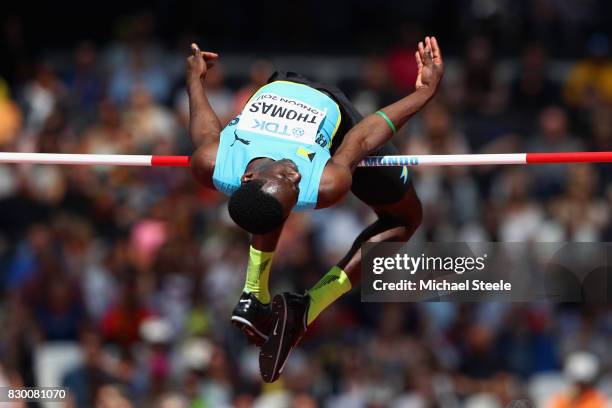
{"x": 411, "y": 215}
{"x": 408, "y": 220}
{"x": 415, "y": 214}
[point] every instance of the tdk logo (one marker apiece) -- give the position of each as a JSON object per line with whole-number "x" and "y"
{"x": 277, "y": 128}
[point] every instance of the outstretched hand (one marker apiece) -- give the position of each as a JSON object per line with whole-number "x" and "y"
{"x": 199, "y": 62}
{"x": 430, "y": 65}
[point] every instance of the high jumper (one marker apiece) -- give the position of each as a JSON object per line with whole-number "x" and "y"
{"x": 296, "y": 146}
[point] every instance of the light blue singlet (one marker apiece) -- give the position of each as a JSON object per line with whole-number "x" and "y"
{"x": 283, "y": 120}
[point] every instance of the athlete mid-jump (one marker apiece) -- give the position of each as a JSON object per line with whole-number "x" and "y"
{"x": 296, "y": 146}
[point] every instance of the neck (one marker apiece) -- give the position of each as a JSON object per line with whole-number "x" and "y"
{"x": 257, "y": 162}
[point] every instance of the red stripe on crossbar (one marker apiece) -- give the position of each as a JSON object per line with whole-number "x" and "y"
{"x": 574, "y": 157}
{"x": 181, "y": 161}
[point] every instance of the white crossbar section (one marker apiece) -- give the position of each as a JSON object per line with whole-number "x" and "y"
{"x": 89, "y": 159}
{"x": 445, "y": 160}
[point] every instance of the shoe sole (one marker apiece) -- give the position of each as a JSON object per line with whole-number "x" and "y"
{"x": 268, "y": 361}
{"x": 253, "y": 335}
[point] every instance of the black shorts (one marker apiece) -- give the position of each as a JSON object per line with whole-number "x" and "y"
{"x": 372, "y": 185}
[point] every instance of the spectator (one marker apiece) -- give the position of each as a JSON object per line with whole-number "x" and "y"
{"x": 479, "y": 75}
{"x": 107, "y": 135}
{"x": 400, "y": 61}
{"x": 41, "y": 96}
{"x": 220, "y": 97}
{"x": 54, "y": 299}
{"x": 553, "y": 136}
{"x": 440, "y": 186}
{"x": 581, "y": 369}
{"x": 590, "y": 81}
{"x": 85, "y": 82}
{"x": 84, "y": 381}
{"x": 258, "y": 75}
{"x": 121, "y": 321}
{"x": 10, "y": 116}
{"x": 148, "y": 122}
{"x": 520, "y": 216}
{"x": 533, "y": 88}
{"x": 140, "y": 72}
{"x": 580, "y": 213}
{"x": 375, "y": 90}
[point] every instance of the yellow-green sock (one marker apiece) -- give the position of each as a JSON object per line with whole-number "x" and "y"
{"x": 332, "y": 285}
{"x": 258, "y": 273}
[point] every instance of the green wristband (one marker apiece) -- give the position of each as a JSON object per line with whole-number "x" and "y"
{"x": 386, "y": 118}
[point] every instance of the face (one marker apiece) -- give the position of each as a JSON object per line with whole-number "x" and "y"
{"x": 281, "y": 179}
{"x": 553, "y": 123}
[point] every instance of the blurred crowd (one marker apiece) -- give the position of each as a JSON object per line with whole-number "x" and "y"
{"x": 118, "y": 282}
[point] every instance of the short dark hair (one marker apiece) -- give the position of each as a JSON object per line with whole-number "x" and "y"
{"x": 255, "y": 210}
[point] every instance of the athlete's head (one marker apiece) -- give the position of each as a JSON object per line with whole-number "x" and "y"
{"x": 266, "y": 196}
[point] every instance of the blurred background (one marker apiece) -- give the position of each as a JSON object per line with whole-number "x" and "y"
{"x": 118, "y": 283}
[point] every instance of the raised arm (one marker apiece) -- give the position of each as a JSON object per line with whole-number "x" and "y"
{"x": 204, "y": 125}
{"x": 374, "y": 130}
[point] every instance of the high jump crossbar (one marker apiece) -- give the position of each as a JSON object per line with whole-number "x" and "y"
{"x": 372, "y": 161}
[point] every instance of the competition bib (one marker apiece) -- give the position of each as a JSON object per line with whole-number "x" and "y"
{"x": 279, "y": 116}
